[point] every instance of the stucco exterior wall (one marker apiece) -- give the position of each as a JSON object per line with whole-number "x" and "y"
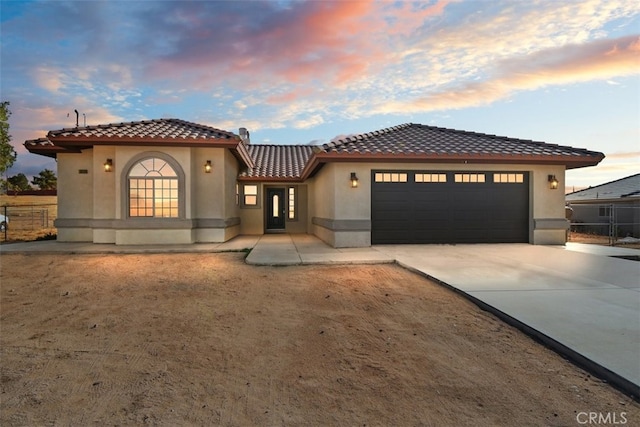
{"x": 76, "y": 173}
{"x": 299, "y": 224}
{"x": 251, "y": 217}
{"x": 104, "y": 195}
{"x": 342, "y": 215}
{"x": 549, "y": 225}
{"x": 213, "y": 195}
{"x": 92, "y": 203}
{"x": 348, "y": 210}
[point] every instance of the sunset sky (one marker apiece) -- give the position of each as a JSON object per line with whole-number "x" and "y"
{"x": 295, "y": 72}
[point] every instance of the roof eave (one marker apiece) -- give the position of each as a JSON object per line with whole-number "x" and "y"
{"x": 86, "y": 142}
{"x": 240, "y": 151}
{"x": 570, "y": 162}
{"x": 603, "y": 200}
{"x": 295, "y": 179}
{"x": 48, "y": 150}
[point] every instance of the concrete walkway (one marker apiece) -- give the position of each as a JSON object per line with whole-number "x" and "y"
{"x": 577, "y": 299}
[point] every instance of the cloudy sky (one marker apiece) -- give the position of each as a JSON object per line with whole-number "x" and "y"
{"x": 300, "y": 72}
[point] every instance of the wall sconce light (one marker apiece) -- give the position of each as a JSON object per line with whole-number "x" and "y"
{"x": 208, "y": 167}
{"x": 354, "y": 180}
{"x": 553, "y": 182}
{"x": 108, "y": 165}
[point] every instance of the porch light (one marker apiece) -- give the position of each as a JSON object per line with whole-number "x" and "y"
{"x": 553, "y": 182}
{"x": 354, "y": 180}
{"x": 108, "y": 165}
{"x": 207, "y": 166}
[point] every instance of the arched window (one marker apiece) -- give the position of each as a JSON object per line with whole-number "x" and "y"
{"x": 153, "y": 189}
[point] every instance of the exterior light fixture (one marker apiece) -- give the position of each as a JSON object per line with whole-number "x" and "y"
{"x": 553, "y": 182}
{"x": 108, "y": 165}
{"x": 354, "y": 180}
{"x": 208, "y": 167}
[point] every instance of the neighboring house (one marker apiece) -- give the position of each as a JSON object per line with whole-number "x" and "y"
{"x": 172, "y": 181}
{"x": 616, "y": 203}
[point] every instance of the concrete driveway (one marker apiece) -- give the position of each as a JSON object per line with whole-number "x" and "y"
{"x": 586, "y": 305}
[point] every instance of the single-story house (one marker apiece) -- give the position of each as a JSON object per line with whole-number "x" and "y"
{"x": 615, "y": 204}
{"x": 172, "y": 181}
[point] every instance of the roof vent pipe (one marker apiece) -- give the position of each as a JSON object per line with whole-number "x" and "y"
{"x": 244, "y": 135}
{"x": 77, "y": 118}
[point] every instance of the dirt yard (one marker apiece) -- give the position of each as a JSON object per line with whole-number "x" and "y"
{"x": 203, "y": 339}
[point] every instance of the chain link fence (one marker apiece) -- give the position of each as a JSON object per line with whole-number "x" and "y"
{"x": 27, "y": 222}
{"x": 613, "y": 224}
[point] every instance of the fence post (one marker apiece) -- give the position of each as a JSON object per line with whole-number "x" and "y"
{"x": 612, "y": 225}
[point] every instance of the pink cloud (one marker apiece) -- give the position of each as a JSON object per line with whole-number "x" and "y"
{"x": 331, "y": 41}
{"x": 598, "y": 60}
{"x": 289, "y": 96}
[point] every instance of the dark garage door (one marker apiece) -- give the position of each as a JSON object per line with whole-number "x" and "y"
{"x": 449, "y": 207}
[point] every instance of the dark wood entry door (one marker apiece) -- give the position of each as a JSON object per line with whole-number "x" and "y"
{"x": 275, "y": 209}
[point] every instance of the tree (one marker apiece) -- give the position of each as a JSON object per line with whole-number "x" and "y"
{"x": 46, "y": 180}
{"x": 19, "y": 183}
{"x": 7, "y": 153}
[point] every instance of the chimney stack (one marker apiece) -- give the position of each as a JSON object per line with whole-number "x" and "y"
{"x": 244, "y": 136}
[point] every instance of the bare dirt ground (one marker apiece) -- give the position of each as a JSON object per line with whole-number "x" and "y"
{"x": 203, "y": 339}
{"x": 30, "y": 217}
{"x": 595, "y": 239}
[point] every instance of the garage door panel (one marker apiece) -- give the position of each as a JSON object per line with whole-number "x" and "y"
{"x": 450, "y": 212}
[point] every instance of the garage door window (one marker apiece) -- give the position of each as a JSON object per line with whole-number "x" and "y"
{"x": 430, "y": 177}
{"x": 390, "y": 177}
{"x": 469, "y": 177}
{"x": 508, "y": 178}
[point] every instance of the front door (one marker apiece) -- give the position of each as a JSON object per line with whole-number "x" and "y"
{"x": 275, "y": 209}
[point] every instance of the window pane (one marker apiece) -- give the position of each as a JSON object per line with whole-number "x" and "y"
{"x": 152, "y": 167}
{"x": 508, "y": 178}
{"x": 292, "y": 203}
{"x": 138, "y": 170}
{"x": 251, "y": 195}
{"x": 275, "y": 200}
{"x": 468, "y": 177}
{"x": 153, "y": 197}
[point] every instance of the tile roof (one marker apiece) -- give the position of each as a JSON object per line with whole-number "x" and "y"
{"x": 407, "y": 142}
{"x": 624, "y": 188}
{"x": 159, "y": 132}
{"x": 423, "y": 141}
{"x": 278, "y": 161}
{"x": 42, "y": 146}
{"x": 146, "y": 129}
